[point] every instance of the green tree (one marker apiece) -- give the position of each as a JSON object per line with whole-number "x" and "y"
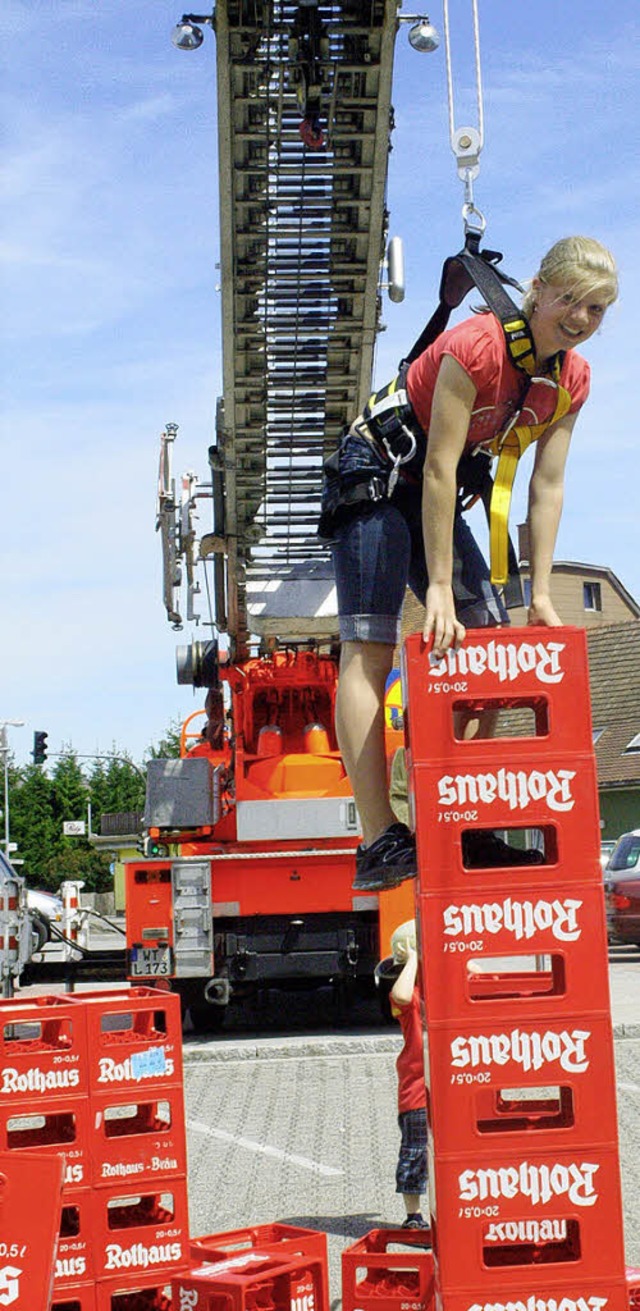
{"x": 79, "y": 862}
{"x": 71, "y": 794}
{"x": 32, "y": 818}
{"x": 40, "y": 802}
{"x": 122, "y": 785}
{"x": 168, "y": 748}
{"x": 99, "y": 792}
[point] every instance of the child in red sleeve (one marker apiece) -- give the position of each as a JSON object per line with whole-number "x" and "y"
{"x": 411, "y": 1171}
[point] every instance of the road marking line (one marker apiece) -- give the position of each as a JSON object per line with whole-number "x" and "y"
{"x": 303, "y": 1161}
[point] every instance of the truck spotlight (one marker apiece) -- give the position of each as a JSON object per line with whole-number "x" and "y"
{"x": 423, "y": 36}
{"x": 186, "y": 34}
{"x": 197, "y": 665}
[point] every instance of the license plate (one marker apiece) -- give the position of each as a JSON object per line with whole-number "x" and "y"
{"x": 150, "y": 960}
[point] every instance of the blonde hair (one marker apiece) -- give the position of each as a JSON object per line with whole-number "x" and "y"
{"x": 582, "y": 266}
{"x": 402, "y": 938}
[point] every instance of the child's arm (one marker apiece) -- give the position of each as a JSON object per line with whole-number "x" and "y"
{"x": 402, "y": 990}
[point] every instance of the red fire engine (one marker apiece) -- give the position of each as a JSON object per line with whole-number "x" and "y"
{"x": 266, "y": 828}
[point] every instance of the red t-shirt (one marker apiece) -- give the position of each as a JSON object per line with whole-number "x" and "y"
{"x": 478, "y": 345}
{"x": 412, "y": 1093}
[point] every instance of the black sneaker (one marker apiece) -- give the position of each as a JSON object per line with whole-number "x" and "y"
{"x": 415, "y": 1221}
{"x": 482, "y": 849}
{"x": 386, "y": 862}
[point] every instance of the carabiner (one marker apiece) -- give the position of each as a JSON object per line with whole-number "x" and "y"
{"x": 474, "y": 221}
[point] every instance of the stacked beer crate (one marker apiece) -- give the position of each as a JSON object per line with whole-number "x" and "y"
{"x": 97, "y": 1077}
{"x": 28, "y": 1233}
{"x": 381, "y": 1273}
{"x": 524, "y": 1182}
{"x": 269, "y": 1267}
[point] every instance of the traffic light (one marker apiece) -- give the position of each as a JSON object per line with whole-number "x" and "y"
{"x": 156, "y": 850}
{"x": 151, "y": 848}
{"x": 39, "y": 752}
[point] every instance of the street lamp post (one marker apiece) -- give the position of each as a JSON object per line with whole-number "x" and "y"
{"x": 4, "y": 747}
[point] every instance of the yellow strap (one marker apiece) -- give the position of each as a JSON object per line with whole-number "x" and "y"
{"x": 381, "y": 395}
{"x": 509, "y": 447}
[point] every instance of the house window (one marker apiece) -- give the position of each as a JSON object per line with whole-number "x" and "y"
{"x": 526, "y": 591}
{"x": 634, "y": 744}
{"x": 592, "y": 596}
{"x": 597, "y": 734}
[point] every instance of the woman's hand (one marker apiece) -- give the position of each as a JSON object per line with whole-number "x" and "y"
{"x": 541, "y": 611}
{"x": 441, "y": 621}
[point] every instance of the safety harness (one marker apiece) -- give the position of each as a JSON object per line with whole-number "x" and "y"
{"x": 389, "y": 417}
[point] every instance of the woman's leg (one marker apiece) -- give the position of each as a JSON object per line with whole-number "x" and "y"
{"x": 364, "y": 667}
{"x": 371, "y": 556}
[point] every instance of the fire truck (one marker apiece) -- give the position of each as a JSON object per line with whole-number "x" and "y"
{"x": 250, "y": 836}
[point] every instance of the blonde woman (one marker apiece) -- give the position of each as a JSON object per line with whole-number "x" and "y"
{"x": 462, "y": 391}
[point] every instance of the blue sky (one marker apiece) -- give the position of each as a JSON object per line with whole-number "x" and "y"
{"x": 110, "y": 317}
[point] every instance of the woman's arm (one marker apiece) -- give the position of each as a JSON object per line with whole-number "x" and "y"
{"x": 546, "y": 491}
{"x": 453, "y": 399}
{"x": 402, "y": 990}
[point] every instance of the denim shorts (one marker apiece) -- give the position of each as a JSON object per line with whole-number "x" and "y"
{"x": 379, "y": 550}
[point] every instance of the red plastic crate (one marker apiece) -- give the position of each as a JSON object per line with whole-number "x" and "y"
{"x": 43, "y": 1049}
{"x": 547, "y": 669}
{"x": 633, "y": 1286}
{"x": 558, "y": 796}
{"x": 539, "y": 980}
{"x": 254, "y": 1281}
{"x": 377, "y": 1278}
{"x": 496, "y": 1220}
{"x": 135, "y": 1231}
{"x": 74, "y": 1256}
{"x": 30, "y": 1200}
{"x": 53, "y": 1124}
{"x": 539, "y": 1295}
{"x": 138, "y": 1136}
{"x": 151, "y": 1292}
{"x": 134, "y": 1038}
{"x": 491, "y": 921}
{"x": 276, "y": 1239}
{"x": 77, "y": 1297}
{"x": 558, "y": 844}
{"x": 496, "y": 1086}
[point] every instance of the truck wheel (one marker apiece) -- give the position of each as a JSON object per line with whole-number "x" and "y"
{"x": 206, "y": 1018}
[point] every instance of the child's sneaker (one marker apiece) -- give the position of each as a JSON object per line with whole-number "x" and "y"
{"x": 415, "y": 1221}
{"x": 386, "y": 862}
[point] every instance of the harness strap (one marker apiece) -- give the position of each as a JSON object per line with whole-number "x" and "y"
{"x": 473, "y": 267}
{"x": 509, "y": 447}
{"x": 489, "y": 281}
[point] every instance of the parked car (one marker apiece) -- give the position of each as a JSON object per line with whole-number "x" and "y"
{"x": 607, "y": 848}
{"x": 622, "y": 890}
{"x": 45, "y": 903}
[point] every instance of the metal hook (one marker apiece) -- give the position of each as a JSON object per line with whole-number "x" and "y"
{"x": 472, "y": 218}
